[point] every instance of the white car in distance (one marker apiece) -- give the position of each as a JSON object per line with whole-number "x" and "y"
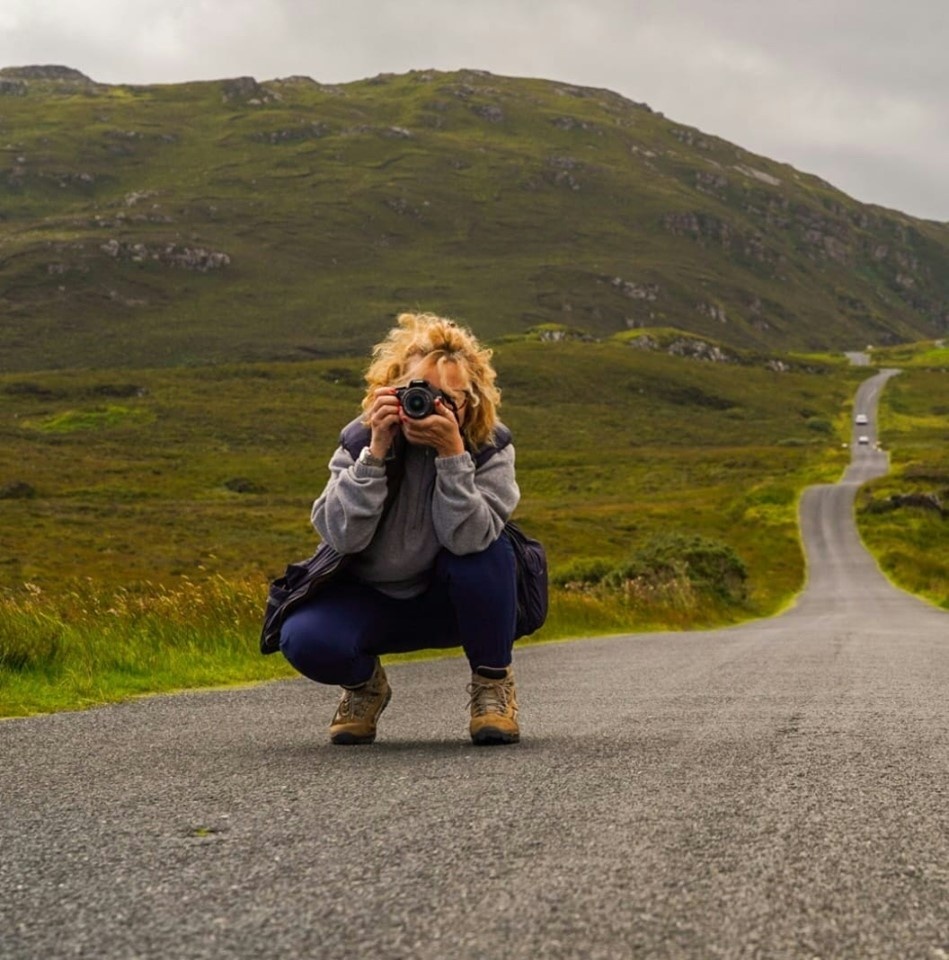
{"x": 862, "y": 419}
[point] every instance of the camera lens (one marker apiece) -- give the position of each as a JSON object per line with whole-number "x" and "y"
{"x": 417, "y": 403}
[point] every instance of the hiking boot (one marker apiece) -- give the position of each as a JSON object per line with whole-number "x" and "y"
{"x": 359, "y": 709}
{"x": 493, "y": 707}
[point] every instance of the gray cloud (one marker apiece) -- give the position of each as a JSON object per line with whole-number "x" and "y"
{"x": 851, "y": 90}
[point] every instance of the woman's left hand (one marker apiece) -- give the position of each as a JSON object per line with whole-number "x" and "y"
{"x": 439, "y": 430}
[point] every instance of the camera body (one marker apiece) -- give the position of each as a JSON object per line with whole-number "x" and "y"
{"x": 418, "y": 399}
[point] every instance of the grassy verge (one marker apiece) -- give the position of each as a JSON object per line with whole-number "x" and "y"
{"x": 86, "y": 648}
{"x": 903, "y": 517}
{"x": 922, "y": 355}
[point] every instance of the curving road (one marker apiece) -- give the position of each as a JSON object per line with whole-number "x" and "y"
{"x": 776, "y": 790}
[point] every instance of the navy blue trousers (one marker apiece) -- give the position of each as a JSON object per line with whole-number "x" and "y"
{"x": 471, "y": 602}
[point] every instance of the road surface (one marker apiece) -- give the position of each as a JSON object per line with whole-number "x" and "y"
{"x": 776, "y": 790}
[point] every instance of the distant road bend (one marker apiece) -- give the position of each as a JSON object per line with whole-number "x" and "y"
{"x": 774, "y": 790}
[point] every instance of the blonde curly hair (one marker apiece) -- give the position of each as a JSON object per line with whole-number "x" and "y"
{"x": 425, "y": 336}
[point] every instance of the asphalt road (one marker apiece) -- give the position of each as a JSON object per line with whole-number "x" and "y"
{"x": 777, "y": 790}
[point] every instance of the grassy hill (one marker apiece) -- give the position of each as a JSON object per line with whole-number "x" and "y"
{"x": 233, "y": 221}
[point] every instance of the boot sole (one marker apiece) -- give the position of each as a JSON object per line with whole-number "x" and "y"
{"x": 350, "y": 739}
{"x": 346, "y": 739}
{"x": 491, "y": 736}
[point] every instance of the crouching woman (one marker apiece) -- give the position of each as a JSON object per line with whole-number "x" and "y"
{"x": 419, "y": 491}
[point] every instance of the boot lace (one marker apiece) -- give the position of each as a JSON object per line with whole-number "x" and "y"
{"x": 354, "y": 704}
{"x": 489, "y": 696}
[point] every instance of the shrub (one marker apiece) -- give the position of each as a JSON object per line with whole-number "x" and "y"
{"x": 820, "y": 425}
{"x": 17, "y": 490}
{"x": 582, "y": 570}
{"x": 243, "y": 485}
{"x": 708, "y": 565}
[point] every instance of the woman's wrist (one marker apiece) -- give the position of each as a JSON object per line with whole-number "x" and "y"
{"x": 453, "y": 451}
{"x": 378, "y": 449}
{"x": 367, "y": 458}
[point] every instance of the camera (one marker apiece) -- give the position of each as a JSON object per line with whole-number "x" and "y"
{"x": 418, "y": 399}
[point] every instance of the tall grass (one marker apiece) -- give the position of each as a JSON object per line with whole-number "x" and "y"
{"x": 86, "y": 646}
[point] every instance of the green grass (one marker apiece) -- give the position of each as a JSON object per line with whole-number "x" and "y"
{"x": 94, "y": 418}
{"x": 926, "y": 355}
{"x": 912, "y": 543}
{"x": 144, "y": 514}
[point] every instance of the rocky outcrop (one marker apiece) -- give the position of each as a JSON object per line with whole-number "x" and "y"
{"x": 136, "y": 196}
{"x": 714, "y": 310}
{"x": 571, "y": 123}
{"x": 45, "y": 72}
{"x": 758, "y": 175}
{"x": 560, "y": 334}
{"x": 488, "y": 111}
{"x": 402, "y": 207}
{"x": 712, "y": 183}
{"x": 199, "y": 259}
{"x": 690, "y": 347}
{"x": 297, "y": 80}
{"x": 309, "y": 131}
{"x": 636, "y": 291}
{"x": 246, "y": 90}
{"x": 705, "y": 228}
{"x": 563, "y": 172}
{"x": 698, "y": 350}
{"x": 691, "y": 138}
{"x": 389, "y": 133}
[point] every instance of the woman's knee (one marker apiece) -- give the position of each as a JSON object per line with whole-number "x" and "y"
{"x": 314, "y": 648}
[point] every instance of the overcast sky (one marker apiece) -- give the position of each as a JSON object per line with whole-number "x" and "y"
{"x": 855, "y": 91}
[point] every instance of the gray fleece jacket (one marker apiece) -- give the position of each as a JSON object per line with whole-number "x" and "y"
{"x": 442, "y": 502}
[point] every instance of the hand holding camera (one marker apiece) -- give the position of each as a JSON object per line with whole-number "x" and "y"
{"x": 430, "y": 418}
{"x": 418, "y": 399}
{"x": 427, "y": 416}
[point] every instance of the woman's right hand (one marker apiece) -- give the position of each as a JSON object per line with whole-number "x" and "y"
{"x": 383, "y": 421}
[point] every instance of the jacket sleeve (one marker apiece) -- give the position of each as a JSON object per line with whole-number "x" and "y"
{"x": 470, "y": 506}
{"x": 348, "y": 510}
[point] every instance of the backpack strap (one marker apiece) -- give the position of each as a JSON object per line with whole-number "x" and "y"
{"x": 501, "y": 439}
{"x": 354, "y": 437}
